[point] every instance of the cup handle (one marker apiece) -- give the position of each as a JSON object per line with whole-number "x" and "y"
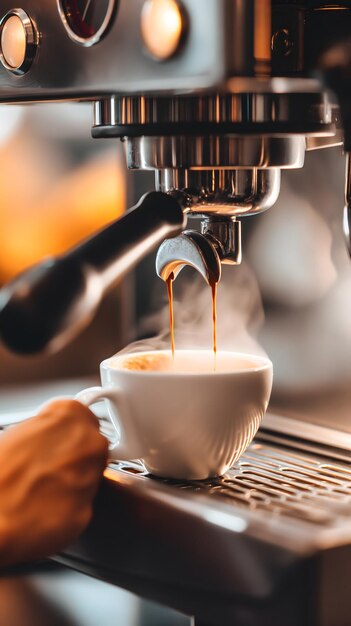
{"x": 120, "y": 449}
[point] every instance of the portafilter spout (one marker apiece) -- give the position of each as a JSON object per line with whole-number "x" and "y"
{"x": 219, "y": 197}
{"x": 219, "y": 242}
{"x": 190, "y": 248}
{"x": 45, "y": 307}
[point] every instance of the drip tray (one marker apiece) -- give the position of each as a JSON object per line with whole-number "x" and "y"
{"x": 278, "y": 481}
{"x": 263, "y": 541}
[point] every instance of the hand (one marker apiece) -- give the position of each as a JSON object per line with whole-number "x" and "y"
{"x": 50, "y": 469}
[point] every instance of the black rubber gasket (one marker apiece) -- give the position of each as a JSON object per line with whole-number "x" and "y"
{"x": 207, "y": 129}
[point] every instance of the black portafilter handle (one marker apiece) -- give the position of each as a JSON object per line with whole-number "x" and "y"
{"x": 47, "y": 306}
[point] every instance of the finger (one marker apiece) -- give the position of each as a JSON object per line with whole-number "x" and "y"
{"x": 65, "y": 408}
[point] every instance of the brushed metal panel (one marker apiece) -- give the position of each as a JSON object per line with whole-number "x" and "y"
{"x": 63, "y": 69}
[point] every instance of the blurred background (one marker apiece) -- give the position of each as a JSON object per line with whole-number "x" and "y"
{"x": 291, "y": 297}
{"x": 57, "y": 187}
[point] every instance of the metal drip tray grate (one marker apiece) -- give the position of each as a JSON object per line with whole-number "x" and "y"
{"x": 278, "y": 480}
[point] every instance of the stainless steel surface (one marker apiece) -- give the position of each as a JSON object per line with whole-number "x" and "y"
{"x": 319, "y": 143}
{"x": 226, "y": 236}
{"x": 118, "y": 63}
{"x": 226, "y": 193}
{"x": 218, "y": 243}
{"x": 231, "y": 108}
{"x": 193, "y": 249}
{"x": 209, "y": 152}
{"x": 306, "y": 433}
{"x": 221, "y": 195}
{"x": 283, "y": 482}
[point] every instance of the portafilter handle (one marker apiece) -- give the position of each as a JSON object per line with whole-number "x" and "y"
{"x": 46, "y": 306}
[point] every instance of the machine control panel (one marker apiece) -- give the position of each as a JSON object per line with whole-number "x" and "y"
{"x": 88, "y": 49}
{"x": 91, "y": 49}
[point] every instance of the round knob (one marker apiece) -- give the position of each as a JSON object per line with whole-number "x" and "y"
{"x": 17, "y": 42}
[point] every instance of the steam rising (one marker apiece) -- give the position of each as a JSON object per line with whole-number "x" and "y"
{"x": 240, "y": 315}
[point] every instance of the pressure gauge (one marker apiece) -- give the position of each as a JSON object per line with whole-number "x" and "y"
{"x": 86, "y": 21}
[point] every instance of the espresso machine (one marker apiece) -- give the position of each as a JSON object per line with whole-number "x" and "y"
{"x": 217, "y": 97}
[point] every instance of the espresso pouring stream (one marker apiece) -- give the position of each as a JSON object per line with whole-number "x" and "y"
{"x": 169, "y": 282}
{"x": 214, "y": 289}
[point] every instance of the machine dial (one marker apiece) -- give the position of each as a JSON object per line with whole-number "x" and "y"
{"x": 86, "y": 21}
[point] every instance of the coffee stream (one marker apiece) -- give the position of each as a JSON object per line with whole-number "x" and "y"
{"x": 170, "y": 281}
{"x": 214, "y": 289}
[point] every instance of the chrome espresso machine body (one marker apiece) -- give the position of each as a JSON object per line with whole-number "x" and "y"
{"x": 217, "y": 97}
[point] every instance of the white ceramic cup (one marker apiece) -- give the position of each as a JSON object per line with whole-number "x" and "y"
{"x": 185, "y": 420}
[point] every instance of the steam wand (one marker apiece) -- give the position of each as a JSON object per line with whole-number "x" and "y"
{"x": 46, "y": 306}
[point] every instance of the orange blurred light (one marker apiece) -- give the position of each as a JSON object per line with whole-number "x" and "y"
{"x": 13, "y": 42}
{"x": 44, "y": 213}
{"x": 161, "y": 27}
